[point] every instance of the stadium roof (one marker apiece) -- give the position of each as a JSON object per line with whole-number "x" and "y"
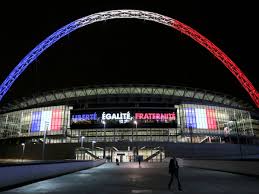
{"x": 66, "y": 96}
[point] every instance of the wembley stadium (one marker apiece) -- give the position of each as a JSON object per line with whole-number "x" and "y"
{"x": 127, "y": 120}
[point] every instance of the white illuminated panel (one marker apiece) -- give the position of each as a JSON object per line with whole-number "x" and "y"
{"x": 201, "y": 118}
{"x": 45, "y": 118}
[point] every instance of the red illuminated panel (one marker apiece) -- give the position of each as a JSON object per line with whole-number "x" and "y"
{"x": 56, "y": 120}
{"x": 211, "y": 119}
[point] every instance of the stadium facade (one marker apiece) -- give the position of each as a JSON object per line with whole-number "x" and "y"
{"x": 128, "y": 114}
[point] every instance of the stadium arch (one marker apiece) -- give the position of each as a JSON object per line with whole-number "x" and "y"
{"x": 137, "y": 14}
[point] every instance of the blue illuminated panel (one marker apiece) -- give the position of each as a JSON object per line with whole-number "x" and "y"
{"x": 190, "y": 118}
{"x": 36, "y": 121}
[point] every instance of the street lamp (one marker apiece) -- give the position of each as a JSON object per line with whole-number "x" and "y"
{"x": 93, "y": 142}
{"x": 82, "y": 141}
{"x": 23, "y": 148}
{"x": 104, "y": 124}
{"x": 190, "y": 130}
{"x": 136, "y": 124}
{"x": 238, "y": 139}
{"x": 104, "y": 151}
{"x": 136, "y": 151}
{"x": 44, "y": 139}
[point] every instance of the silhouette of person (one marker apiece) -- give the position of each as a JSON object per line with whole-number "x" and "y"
{"x": 174, "y": 171}
{"x": 139, "y": 160}
{"x": 117, "y": 161}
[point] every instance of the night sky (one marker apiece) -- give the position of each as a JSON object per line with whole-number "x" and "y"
{"x": 128, "y": 51}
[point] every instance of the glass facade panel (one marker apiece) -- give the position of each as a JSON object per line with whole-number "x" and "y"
{"x": 34, "y": 121}
{"x": 195, "y": 123}
{"x": 207, "y": 118}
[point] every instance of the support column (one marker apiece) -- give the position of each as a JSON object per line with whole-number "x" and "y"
{"x": 111, "y": 154}
{"x": 104, "y": 152}
{"x": 6, "y": 121}
{"x": 131, "y": 134}
{"x": 114, "y": 135}
{"x": 168, "y": 135}
{"x": 176, "y": 135}
{"x": 161, "y": 156}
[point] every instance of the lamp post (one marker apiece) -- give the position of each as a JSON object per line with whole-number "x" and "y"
{"x": 23, "y": 148}
{"x": 135, "y": 152}
{"x": 136, "y": 124}
{"x": 190, "y": 130}
{"x": 44, "y": 139}
{"x": 238, "y": 139}
{"x": 82, "y": 141}
{"x": 93, "y": 142}
{"x": 104, "y": 131}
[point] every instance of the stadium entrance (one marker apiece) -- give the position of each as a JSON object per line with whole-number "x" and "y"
{"x": 148, "y": 154}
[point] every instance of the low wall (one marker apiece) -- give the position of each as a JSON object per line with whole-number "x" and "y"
{"x": 212, "y": 151}
{"x": 34, "y": 152}
{"x": 250, "y": 168}
{"x": 184, "y": 150}
{"x": 18, "y": 175}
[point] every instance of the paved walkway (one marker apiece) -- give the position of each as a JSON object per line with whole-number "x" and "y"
{"x": 148, "y": 178}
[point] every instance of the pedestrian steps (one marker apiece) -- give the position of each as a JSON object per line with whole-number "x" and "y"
{"x": 91, "y": 154}
{"x": 152, "y": 156}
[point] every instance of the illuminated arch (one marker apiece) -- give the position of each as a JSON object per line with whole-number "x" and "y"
{"x": 113, "y": 14}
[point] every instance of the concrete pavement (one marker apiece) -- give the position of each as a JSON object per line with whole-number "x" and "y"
{"x": 148, "y": 178}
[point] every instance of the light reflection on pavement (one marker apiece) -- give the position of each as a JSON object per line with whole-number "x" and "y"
{"x": 146, "y": 178}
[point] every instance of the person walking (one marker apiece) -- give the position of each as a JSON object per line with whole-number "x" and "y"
{"x": 139, "y": 160}
{"x": 174, "y": 171}
{"x": 117, "y": 161}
